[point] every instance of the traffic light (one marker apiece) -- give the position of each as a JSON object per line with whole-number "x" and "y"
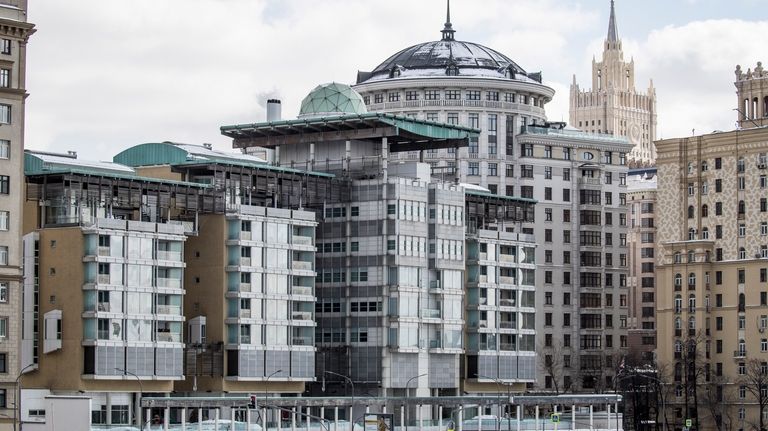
{"x": 252, "y": 402}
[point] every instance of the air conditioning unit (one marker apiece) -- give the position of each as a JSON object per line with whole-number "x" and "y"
{"x": 762, "y": 165}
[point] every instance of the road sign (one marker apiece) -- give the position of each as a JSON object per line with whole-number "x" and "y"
{"x": 555, "y": 418}
{"x": 688, "y": 423}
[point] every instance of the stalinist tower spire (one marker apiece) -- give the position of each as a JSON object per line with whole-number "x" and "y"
{"x": 613, "y": 32}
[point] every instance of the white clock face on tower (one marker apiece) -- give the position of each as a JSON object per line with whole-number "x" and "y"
{"x": 635, "y": 134}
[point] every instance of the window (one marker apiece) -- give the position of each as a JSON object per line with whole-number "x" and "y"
{"x": 411, "y": 95}
{"x": 474, "y": 168}
{"x": 548, "y": 172}
{"x": 4, "y": 255}
{"x": 5, "y": 46}
{"x": 120, "y": 414}
{"x": 493, "y": 169}
{"x": 547, "y": 214}
{"x": 378, "y": 98}
{"x": 5, "y": 149}
{"x": 452, "y": 94}
{"x": 4, "y": 291}
{"x": 432, "y": 95}
{"x": 5, "y": 184}
{"x": 547, "y": 193}
{"x": 718, "y": 185}
{"x": 5, "y": 114}
{"x": 4, "y": 327}
{"x": 548, "y": 152}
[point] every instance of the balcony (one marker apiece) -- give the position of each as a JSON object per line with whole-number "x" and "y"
{"x": 245, "y": 287}
{"x": 174, "y": 256}
{"x": 738, "y": 354}
{"x": 435, "y": 344}
{"x": 507, "y": 325}
{"x": 245, "y": 313}
{"x": 508, "y": 347}
{"x": 103, "y": 279}
{"x": 103, "y": 251}
{"x": 301, "y": 315}
{"x": 301, "y": 341}
{"x": 430, "y": 313}
{"x": 507, "y": 302}
{"x": 169, "y": 282}
{"x": 245, "y": 261}
{"x": 245, "y": 339}
{"x": 302, "y": 240}
{"x": 302, "y": 265}
{"x": 174, "y": 310}
{"x": 507, "y": 258}
{"x": 434, "y": 284}
{"x": 246, "y": 235}
{"x": 168, "y": 337}
{"x": 589, "y": 181}
{"x": 482, "y": 324}
{"x": 301, "y": 290}
{"x": 506, "y": 280}
{"x": 482, "y": 256}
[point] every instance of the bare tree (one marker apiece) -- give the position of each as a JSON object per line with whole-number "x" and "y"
{"x": 755, "y": 381}
{"x": 552, "y": 363}
{"x": 716, "y": 399}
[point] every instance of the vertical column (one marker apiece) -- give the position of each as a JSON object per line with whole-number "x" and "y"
{"x": 536, "y": 424}
{"x": 440, "y": 417}
{"x": 199, "y": 419}
{"x": 591, "y": 418}
{"x": 573, "y": 417}
{"x": 215, "y": 420}
{"x": 616, "y": 411}
{"x": 247, "y": 418}
{"x": 402, "y": 416}
{"x": 166, "y": 418}
{"x": 335, "y": 419}
{"x": 555, "y": 411}
{"x": 263, "y": 417}
{"x": 347, "y": 155}
{"x": 519, "y": 411}
{"x": 232, "y": 417}
{"x": 293, "y": 419}
{"x": 308, "y": 413}
{"x": 460, "y": 425}
{"x": 418, "y": 415}
{"x": 277, "y": 155}
{"x": 608, "y": 409}
{"x": 312, "y": 156}
{"x": 183, "y": 419}
{"x": 279, "y": 420}
{"x": 384, "y": 157}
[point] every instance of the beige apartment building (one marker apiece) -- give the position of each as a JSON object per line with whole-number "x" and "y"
{"x": 712, "y": 275}
{"x": 14, "y": 33}
{"x": 614, "y": 105}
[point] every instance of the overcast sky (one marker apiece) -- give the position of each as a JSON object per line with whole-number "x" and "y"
{"x": 104, "y": 75}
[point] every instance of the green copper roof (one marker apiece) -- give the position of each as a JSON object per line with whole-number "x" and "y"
{"x": 332, "y": 98}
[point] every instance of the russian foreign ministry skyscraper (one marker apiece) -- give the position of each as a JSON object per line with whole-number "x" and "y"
{"x": 614, "y": 106}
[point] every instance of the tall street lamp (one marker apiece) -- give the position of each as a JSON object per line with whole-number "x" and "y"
{"x": 407, "y": 409}
{"x": 266, "y": 398}
{"x": 17, "y": 404}
{"x": 352, "y": 405}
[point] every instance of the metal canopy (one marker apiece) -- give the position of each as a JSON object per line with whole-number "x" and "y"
{"x": 402, "y": 133}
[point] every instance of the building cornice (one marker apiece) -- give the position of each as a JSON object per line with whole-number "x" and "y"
{"x": 455, "y": 82}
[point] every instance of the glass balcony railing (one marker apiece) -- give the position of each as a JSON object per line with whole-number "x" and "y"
{"x": 430, "y": 313}
{"x": 103, "y": 278}
{"x": 301, "y": 315}
{"x": 168, "y": 337}
{"x": 168, "y": 282}
{"x": 174, "y": 310}
{"x": 302, "y": 240}
{"x": 302, "y": 290}
{"x": 302, "y": 265}
{"x": 174, "y": 256}
{"x": 302, "y": 341}
{"x": 506, "y": 280}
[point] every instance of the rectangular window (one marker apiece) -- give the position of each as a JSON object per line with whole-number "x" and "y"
{"x": 474, "y": 168}
{"x": 452, "y": 94}
{"x": 378, "y": 98}
{"x": 5, "y": 184}
{"x": 473, "y": 95}
{"x": 5, "y": 78}
{"x": 526, "y": 171}
{"x": 5, "y": 149}
{"x": 394, "y": 97}
{"x": 411, "y": 95}
{"x": 5, "y": 46}
{"x": 493, "y": 170}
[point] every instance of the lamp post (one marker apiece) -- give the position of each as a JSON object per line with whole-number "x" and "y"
{"x": 352, "y": 404}
{"x": 509, "y": 396}
{"x": 266, "y": 398}
{"x": 141, "y": 390}
{"x": 17, "y": 404}
{"x": 408, "y": 410}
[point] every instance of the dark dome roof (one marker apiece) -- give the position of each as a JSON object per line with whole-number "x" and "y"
{"x": 443, "y": 53}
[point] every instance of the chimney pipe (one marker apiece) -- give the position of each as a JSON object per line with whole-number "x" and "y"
{"x": 274, "y": 109}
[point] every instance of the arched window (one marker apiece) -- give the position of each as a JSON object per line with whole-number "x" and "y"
{"x": 678, "y": 280}
{"x": 704, "y": 188}
{"x": 678, "y": 323}
{"x": 745, "y": 114}
{"x": 742, "y": 253}
{"x": 678, "y": 349}
{"x": 678, "y": 303}
{"x": 742, "y": 208}
{"x": 691, "y": 323}
{"x": 705, "y": 210}
{"x": 765, "y": 106}
{"x": 691, "y": 302}
{"x": 755, "y": 101}
{"x": 705, "y": 233}
{"x": 691, "y": 234}
{"x": 742, "y": 348}
{"x": 704, "y": 166}
{"x": 690, "y": 211}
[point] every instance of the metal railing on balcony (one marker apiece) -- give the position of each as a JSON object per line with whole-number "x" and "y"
{"x": 435, "y": 344}
{"x": 589, "y": 181}
{"x": 434, "y": 284}
{"x": 430, "y": 313}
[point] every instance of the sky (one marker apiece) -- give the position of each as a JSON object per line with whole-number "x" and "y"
{"x": 104, "y": 75}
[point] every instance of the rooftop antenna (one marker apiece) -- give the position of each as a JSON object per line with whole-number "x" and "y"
{"x": 448, "y": 30}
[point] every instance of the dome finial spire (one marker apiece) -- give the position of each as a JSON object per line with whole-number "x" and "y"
{"x": 448, "y": 30}
{"x": 613, "y": 32}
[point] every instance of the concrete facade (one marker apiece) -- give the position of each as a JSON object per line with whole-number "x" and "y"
{"x": 613, "y": 105}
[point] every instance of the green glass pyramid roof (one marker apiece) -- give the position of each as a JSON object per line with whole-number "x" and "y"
{"x": 332, "y": 99}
